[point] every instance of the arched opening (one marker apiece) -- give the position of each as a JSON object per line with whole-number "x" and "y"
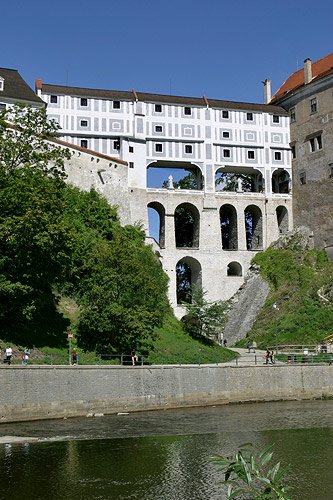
{"x": 239, "y": 179}
{"x": 174, "y": 175}
{"x": 253, "y": 227}
{"x": 281, "y": 181}
{"x": 156, "y": 222}
{"x": 282, "y": 219}
{"x": 188, "y": 273}
{"x": 228, "y": 223}
{"x": 187, "y": 222}
{"x": 234, "y": 269}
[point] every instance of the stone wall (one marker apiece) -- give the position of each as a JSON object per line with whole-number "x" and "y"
{"x": 41, "y": 392}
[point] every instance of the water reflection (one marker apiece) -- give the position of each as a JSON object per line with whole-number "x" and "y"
{"x": 167, "y": 454}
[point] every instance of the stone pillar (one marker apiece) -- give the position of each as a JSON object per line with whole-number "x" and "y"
{"x": 241, "y": 235}
{"x": 170, "y": 238}
{"x": 307, "y": 71}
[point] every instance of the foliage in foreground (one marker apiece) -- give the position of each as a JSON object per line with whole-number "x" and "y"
{"x": 293, "y": 312}
{"x": 250, "y": 475}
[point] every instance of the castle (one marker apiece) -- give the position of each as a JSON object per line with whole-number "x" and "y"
{"x": 207, "y": 235}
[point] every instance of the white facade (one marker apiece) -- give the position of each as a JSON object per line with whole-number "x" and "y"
{"x": 209, "y": 135}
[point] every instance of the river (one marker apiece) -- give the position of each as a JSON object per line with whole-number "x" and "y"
{"x": 165, "y": 455}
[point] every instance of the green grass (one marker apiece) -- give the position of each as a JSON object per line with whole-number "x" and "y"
{"x": 301, "y": 316}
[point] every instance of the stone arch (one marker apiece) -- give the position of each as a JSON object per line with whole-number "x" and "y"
{"x": 187, "y": 226}
{"x": 253, "y": 227}
{"x": 234, "y": 269}
{"x": 228, "y": 224}
{"x": 281, "y": 182}
{"x": 282, "y": 217}
{"x": 160, "y": 230}
{"x": 239, "y": 179}
{"x": 188, "y": 273}
{"x": 185, "y": 175}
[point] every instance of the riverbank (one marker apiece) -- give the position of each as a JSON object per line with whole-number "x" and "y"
{"x": 44, "y": 392}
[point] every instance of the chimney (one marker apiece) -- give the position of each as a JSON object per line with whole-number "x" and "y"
{"x": 307, "y": 71}
{"x": 267, "y": 91}
{"x": 38, "y": 87}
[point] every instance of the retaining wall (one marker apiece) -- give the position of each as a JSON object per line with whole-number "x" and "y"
{"x": 39, "y": 392}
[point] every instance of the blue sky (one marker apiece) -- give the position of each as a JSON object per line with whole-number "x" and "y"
{"x": 217, "y": 48}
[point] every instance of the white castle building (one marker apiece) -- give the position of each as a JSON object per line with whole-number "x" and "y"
{"x": 207, "y": 235}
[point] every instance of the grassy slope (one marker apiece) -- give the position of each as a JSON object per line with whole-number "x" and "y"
{"x": 294, "y": 278}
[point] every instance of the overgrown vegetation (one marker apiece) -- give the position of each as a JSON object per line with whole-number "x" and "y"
{"x": 294, "y": 312}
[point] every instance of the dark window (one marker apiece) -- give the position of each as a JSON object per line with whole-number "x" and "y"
{"x": 277, "y": 156}
{"x": 276, "y": 119}
{"x": 116, "y": 105}
{"x": 54, "y": 99}
{"x": 131, "y": 164}
{"x": 131, "y": 149}
{"x": 302, "y": 178}
{"x": 187, "y": 111}
{"x": 292, "y": 114}
{"x": 226, "y": 135}
{"x": 158, "y": 108}
{"x": 116, "y": 144}
{"x": 251, "y": 155}
{"x": 313, "y": 105}
{"x": 84, "y": 143}
{"x": 293, "y": 151}
{"x": 158, "y": 128}
{"x": 188, "y": 149}
{"x": 84, "y": 101}
{"x": 226, "y": 153}
{"x": 84, "y": 123}
{"x": 158, "y": 148}
{"x": 249, "y": 117}
{"x": 2, "y": 106}
{"x": 330, "y": 170}
{"x": 225, "y": 114}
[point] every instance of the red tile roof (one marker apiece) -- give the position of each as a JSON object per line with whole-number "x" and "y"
{"x": 320, "y": 68}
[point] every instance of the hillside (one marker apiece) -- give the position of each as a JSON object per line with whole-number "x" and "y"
{"x": 299, "y": 306}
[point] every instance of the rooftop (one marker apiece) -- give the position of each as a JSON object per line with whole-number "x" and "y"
{"x": 16, "y": 88}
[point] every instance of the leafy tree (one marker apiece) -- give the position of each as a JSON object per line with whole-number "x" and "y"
{"x": 203, "y": 319}
{"x": 122, "y": 294}
{"x": 229, "y": 181}
{"x": 249, "y": 474}
{"x": 26, "y": 140}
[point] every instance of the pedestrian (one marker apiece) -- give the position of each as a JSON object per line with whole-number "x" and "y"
{"x": 25, "y": 356}
{"x": 271, "y": 357}
{"x": 225, "y": 343}
{"x": 254, "y": 346}
{"x": 75, "y": 357}
{"x": 134, "y": 357}
{"x": 248, "y": 346}
{"x": 267, "y": 354}
{"x": 9, "y": 353}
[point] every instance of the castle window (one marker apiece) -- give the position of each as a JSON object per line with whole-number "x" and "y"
{"x": 313, "y": 105}
{"x": 276, "y": 119}
{"x": 249, "y": 117}
{"x": 54, "y": 99}
{"x": 251, "y": 155}
{"x": 277, "y": 156}
{"x": 187, "y": 111}
{"x": 2, "y": 106}
{"x": 83, "y": 101}
{"x": 302, "y": 178}
{"x": 84, "y": 143}
{"x": 158, "y": 108}
{"x": 226, "y": 135}
{"x": 292, "y": 114}
{"x": 293, "y": 151}
{"x": 131, "y": 149}
{"x": 116, "y": 105}
{"x": 158, "y": 148}
{"x": 131, "y": 164}
{"x": 84, "y": 123}
{"x": 188, "y": 149}
{"x": 226, "y": 153}
{"x": 330, "y": 170}
{"x": 116, "y": 144}
{"x": 2, "y": 84}
{"x": 315, "y": 143}
{"x": 225, "y": 114}
{"x": 158, "y": 128}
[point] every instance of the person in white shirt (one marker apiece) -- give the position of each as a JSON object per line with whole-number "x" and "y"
{"x": 9, "y": 353}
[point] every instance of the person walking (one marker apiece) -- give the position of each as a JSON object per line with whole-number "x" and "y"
{"x": 248, "y": 346}
{"x": 9, "y": 353}
{"x": 254, "y": 346}
{"x": 134, "y": 357}
{"x": 25, "y": 357}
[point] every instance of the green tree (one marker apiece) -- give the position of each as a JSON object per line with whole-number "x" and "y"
{"x": 204, "y": 319}
{"x": 26, "y": 140}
